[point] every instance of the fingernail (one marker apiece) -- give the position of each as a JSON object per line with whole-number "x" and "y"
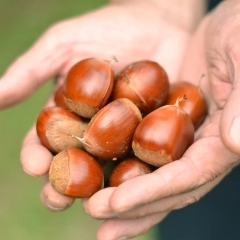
{"x": 55, "y": 209}
{"x": 54, "y": 202}
{"x": 45, "y": 199}
{"x": 234, "y": 131}
{"x": 122, "y": 238}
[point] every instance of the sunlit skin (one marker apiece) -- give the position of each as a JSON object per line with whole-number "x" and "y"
{"x": 213, "y": 50}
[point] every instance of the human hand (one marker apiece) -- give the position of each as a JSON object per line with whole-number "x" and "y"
{"x": 136, "y": 205}
{"x": 130, "y": 31}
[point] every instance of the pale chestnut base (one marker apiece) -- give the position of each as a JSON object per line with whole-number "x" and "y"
{"x": 60, "y": 133}
{"x": 59, "y": 172}
{"x": 155, "y": 158}
{"x": 80, "y": 108}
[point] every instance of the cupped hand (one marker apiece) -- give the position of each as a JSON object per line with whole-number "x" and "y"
{"x": 138, "y": 204}
{"x": 129, "y": 31}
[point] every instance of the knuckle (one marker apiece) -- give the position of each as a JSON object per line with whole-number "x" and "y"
{"x": 189, "y": 199}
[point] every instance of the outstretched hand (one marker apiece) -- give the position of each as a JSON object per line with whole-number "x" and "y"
{"x": 136, "y": 205}
{"x": 131, "y": 31}
{"x": 136, "y": 32}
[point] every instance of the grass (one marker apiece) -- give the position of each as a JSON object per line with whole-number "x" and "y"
{"x": 22, "y": 216}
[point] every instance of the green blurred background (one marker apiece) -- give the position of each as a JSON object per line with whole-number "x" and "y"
{"x": 22, "y": 216}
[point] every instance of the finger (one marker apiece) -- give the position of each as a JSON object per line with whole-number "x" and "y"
{"x": 98, "y": 205}
{"x": 197, "y": 167}
{"x": 35, "y": 158}
{"x": 223, "y": 58}
{"x": 230, "y": 121}
{"x": 54, "y": 201}
{"x": 40, "y": 63}
{"x": 121, "y": 229}
{"x": 102, "y": 210}
{"x": 171, "y": 203}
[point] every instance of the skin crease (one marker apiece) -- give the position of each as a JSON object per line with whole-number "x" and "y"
{"x": 213, "y": 50}
{"x": 59, "y": 50}
{"x": 55, "y": 52}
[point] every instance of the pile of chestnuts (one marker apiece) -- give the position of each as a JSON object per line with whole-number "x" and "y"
{"x": 106, "y": 129}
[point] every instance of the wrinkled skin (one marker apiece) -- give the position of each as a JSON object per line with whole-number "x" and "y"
{"x": 131, "y": 32}
{"x": 213, "y": 50}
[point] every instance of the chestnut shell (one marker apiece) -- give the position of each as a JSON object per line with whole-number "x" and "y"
{"x": 109, "y": 133}
{"x": 195, "y": 105}
{"x": 128, "y": 168}
{"x": 55, "y": 127}
{"x": 75, "y": 173}
{"x": 88, "y": 86}
{"x": 59, "y": 98}
{"x": 145, "y": 83}
{"x": 163, "y": 135}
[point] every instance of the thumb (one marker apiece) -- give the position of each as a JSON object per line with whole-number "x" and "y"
{"x": 28, "y": 72}
{"x": 227, "y": 67}
{"x": 230, "y": 120}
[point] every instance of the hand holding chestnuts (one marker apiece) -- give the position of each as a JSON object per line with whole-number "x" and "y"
{"x": 101, "y": 119}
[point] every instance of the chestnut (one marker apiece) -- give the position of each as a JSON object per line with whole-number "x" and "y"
{"x": 163, "y": 135}
{"x": 195, "y": 105}
{"x": 75, "y": 173}
{"x": 59, "y": 98}
{"x": 56, "y": 127}
{"x": 88, "y": 86}
{"x": 109, "y": 133}
{"x": 127, "y": 169}
{"x": 145, "y": 83}
{"x": 107, "y": 169}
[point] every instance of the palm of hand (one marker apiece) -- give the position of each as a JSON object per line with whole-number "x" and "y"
{"x": 130, "y": 35}
{"x": 125, "y": 32}
{"x": 214, "y": 51}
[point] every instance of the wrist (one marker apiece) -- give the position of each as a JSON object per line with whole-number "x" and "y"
{"x": 184, "y": 13}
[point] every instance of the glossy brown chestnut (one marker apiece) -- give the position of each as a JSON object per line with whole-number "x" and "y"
{"x": 128, "y": 168}
{"x": 75, "y": 173}
{"x": 88, "y": 86}
{"x": 107, "y": 170}
{"x": 145, "y": 83}
{"x": 59, "y": 98}
{"x": 163, "y": 135}
{"x": 109, "y": 133}
{"x": 56, "y": 127}
{"x": 195, "y": 105}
